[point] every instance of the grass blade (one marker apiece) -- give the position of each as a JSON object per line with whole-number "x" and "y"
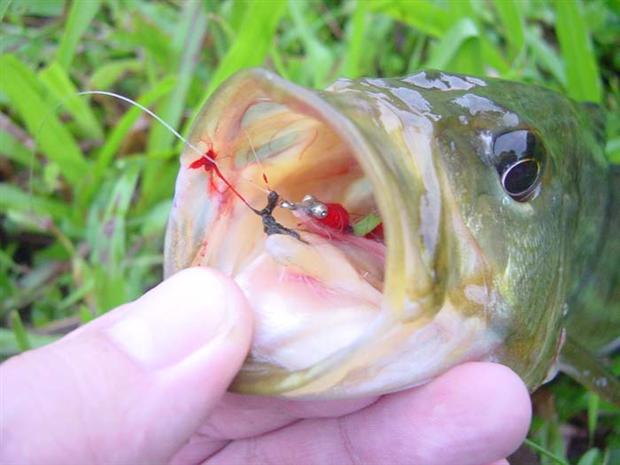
{"x": 514, "y": 25}
{"x": 446, "y": 49}
{"x": 366, "y": 225}
{"x": 253, "y": 42}
{"x": 194, "y": 26}
{"x": 115, "y": 139}
{"x": 107, "y": 74}
{"x": 546, "y": 57}
{"x": 55, "y": 79}
{"x": 423, "y": 15}
{"x": 4, "y": 6}
{"x": 21, "y": 338}
{"x": 613, "y": 150}
{"x": 493, "y": 57}
{"x": 160, "y": 138}
{"x": 250, "y": 48}
{"x": 8, "y": 345}
{"x": 591, "y": 457}
{"x": 319, "y": 59}
{"x": 49, "y": 8}
{"x": 110, "y": 250}
{"x": 352, "y": 66}
{"x": 52, "y": 137}
{"x": 14, "y": 150}
{"x": 584, "y": 82}
{"x": 13, "y": 198}
{"x": 593, "y": 412}
{"x": 80, "y": 16}
{"x": 545, "y": 452}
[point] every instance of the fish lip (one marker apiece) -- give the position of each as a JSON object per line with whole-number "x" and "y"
{"x": 314, "y": 105}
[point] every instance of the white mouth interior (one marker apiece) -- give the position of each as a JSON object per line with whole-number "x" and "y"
{"x": 311, "y": 297}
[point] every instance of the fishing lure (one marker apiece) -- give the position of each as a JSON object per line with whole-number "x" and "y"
{"x": 336, "y": 217}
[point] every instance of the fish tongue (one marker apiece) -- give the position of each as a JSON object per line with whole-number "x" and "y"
{"x": 308, "y": 301}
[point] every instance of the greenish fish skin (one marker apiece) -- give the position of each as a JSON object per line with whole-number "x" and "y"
{"x": 556, "y": 258}
{"x": 545, "y": 266}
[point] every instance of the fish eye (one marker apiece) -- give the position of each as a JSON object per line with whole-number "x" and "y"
{"x": 519, "y": 157}
{"x": 521, "y": 179}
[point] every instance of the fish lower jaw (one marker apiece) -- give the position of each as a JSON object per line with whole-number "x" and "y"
{"x": 308, "y": 301}
{"x": 399, "y": 359}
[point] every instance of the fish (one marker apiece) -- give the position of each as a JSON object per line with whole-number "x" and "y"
{"x": 499, "y": 217}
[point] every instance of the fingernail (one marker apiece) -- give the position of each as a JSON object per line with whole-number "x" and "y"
{"x": 177, "y": 318}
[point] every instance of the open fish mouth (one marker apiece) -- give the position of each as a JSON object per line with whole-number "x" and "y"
{"x": 340, "y": 309}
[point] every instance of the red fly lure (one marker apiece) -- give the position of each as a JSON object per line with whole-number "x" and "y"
{"x": 336, "y": 217}
{"x": 333, "y": 216}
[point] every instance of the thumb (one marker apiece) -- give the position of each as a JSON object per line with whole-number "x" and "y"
{"x": 133, "y": 385}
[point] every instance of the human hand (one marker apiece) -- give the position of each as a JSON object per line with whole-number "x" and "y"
{"x": 145, "y": 384}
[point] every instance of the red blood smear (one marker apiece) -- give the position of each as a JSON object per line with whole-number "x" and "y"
{"x": 202, "y": 161}
{"x": 206, "y": 161}
{"x": 337, "y": 217}
{"x": 376, "y": 234}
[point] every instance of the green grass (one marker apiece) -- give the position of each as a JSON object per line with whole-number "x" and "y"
{"x": 83, "y": 214}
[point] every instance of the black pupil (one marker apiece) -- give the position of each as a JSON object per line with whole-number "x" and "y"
{"x": 520, "y": 177}
{"x": 518, "y": 158}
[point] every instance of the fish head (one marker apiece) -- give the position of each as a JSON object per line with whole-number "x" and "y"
{"x": 519, "y": 162}
{"x": 481, "y": 187}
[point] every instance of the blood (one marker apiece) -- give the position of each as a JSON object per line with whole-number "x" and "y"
{"x": 270, "y": 224}
{"x": 207, "y": 161}
{"x": 337, "y": 218}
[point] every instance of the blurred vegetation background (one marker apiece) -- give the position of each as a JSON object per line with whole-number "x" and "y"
{"x": 86, "y": 183}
